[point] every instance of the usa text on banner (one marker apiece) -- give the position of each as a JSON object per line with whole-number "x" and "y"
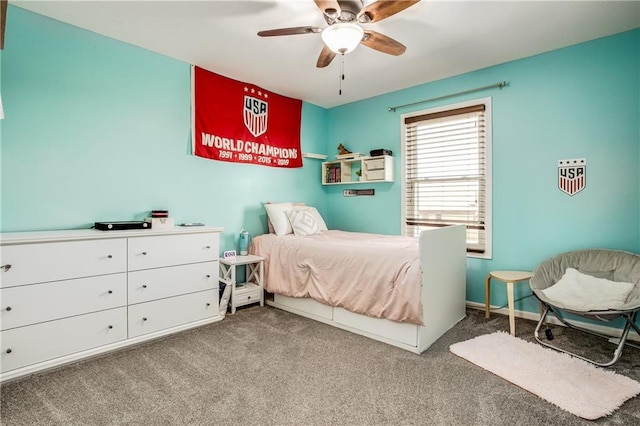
{"x": 243, "y": 123}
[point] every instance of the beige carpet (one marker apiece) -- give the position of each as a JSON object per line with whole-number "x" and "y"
{"x": 572, "y": 384}
{"x": 266, "y": 367}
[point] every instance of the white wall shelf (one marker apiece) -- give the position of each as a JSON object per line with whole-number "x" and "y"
{"x": 374, "y": 169}
{"x": 314, "y": 156}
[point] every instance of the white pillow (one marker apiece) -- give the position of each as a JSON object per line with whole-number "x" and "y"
{"x": 303, "y": 222}
{"x": 270, "y": 225}
{"x": 278, "y": 217}
{"x": 582, "y": 292}
{"x": 316, "y": 214}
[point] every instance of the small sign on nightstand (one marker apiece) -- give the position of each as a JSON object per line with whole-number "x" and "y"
{"x": 229, "y": 255}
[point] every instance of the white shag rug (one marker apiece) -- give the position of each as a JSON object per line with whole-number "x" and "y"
{"x": 570, "y": 383}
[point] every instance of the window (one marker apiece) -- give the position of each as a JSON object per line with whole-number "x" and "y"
{"x": 447, "y": 172}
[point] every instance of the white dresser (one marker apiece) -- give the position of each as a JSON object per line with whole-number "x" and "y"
{"x": 67, "y": 295}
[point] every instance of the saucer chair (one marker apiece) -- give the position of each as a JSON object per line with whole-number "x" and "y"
{"x": 604, "y": 285}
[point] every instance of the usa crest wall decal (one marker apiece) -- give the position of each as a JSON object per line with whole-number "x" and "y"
{"x": 572, "y": 175}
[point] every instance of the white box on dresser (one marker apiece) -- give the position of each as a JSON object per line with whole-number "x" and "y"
{"x": 68, "y": 295}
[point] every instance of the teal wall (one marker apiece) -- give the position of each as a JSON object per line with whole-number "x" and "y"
{"x": 96, "y": 129}
{"x": 581, "y": 101}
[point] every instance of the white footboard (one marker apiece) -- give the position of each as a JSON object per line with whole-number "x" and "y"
{"x": 443, "y": 263}
{"x": 443, "y": 258}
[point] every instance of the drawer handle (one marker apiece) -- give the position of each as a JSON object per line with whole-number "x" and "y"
{"x": 208, "y": 304}
{"x": 144, "y": 286}
{"x": 208, "y": 276}
{"x": 8, "y": 308}
{"x": 110, "y": 326}
{"x": 110, "y": 256}
{"x": 208, "y": 247}
{"x": 144, "y": 253}
{"x": 6, "y": 267}
{"x": 144, "y": 318}
{"x": 248, "y": 297}
{"x": 110, "y": 291}
{"x": 9, "y": 351}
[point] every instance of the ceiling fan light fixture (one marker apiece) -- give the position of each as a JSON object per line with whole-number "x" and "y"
{"x": 342, "y": 37}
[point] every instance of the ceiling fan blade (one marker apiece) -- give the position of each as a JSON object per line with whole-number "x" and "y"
{"x": 290, "y": 31}
{"x": 325, "y": 58}
{"x": 3, "y": 20}
{"x": 382, "y": 9}
{"x": 329, "y": 7}
{"x": 382, "y": 43}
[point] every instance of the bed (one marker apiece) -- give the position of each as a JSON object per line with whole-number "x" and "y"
{"x": 402, "y": 291}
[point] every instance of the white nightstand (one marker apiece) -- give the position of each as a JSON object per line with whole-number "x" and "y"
{"x": 250, "y": 291}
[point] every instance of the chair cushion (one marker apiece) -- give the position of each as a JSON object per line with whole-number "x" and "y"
{"x": 613, "y": 265}
{"x": 582, "y": 292}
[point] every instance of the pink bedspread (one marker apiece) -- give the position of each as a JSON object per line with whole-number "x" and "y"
{"x": 375, "y": 275}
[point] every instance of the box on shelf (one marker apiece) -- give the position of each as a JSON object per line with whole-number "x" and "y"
{"x": 379, "y": 152}
{"x": 372, "y": 175}
{"x": 160, "y": 222}
{"x": 377, "y": 164}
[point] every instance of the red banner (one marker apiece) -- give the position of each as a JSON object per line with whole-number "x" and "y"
{"x": 243, "y": 123}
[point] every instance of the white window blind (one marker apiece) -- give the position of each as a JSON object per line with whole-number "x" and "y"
{"x": 445, "y": 166}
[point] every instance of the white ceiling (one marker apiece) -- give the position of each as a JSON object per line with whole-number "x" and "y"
{"x": 443, "y": 38}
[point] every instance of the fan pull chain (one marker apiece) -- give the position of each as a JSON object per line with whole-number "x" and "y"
{"x": 341, "y": 73}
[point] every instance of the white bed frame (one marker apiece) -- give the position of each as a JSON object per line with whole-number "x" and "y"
{"x": 443, "y": 262}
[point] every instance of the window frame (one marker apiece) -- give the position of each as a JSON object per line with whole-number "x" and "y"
{"x": 488, "y": 253}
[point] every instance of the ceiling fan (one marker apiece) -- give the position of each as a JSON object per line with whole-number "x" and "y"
{"x": 344, "y": 32}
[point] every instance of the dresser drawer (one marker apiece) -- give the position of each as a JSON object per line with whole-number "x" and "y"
{"x": 169, "y": 250}
{"x": 151, "y": 284}
{"x": 41, "y": 342}
{"x": 36, "y": 303}
{"x": 304, "y": 304}
{"x": 166, "y": 313}
{"x": 397, "y": 331}
{"x": 35, "y": 263}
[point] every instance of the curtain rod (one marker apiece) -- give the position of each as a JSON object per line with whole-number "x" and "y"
{"x": 477, "y": 89}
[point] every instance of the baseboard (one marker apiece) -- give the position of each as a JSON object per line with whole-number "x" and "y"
{"x": 534, "y": 316}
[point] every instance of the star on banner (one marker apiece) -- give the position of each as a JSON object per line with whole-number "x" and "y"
{"x": 260, "y": 93}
